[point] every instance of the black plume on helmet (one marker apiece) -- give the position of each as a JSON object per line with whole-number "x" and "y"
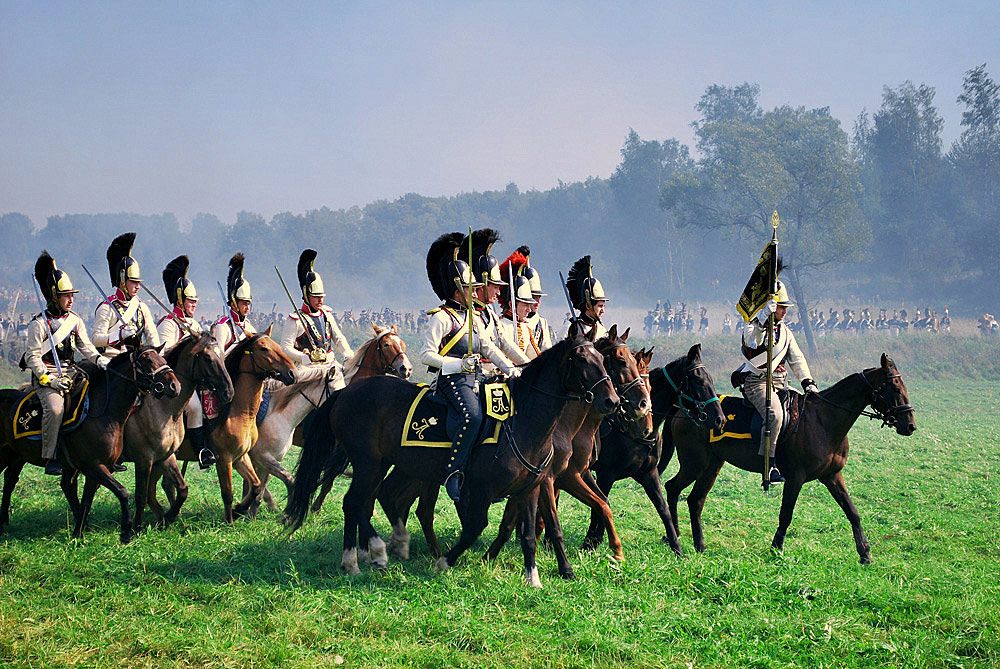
{"x": 45, "y": 268}
{"x": 576, "y": 282}
{"x": 235, "y": 278}
{"x": 482, "y": 261}
{"x": 118, "y": 254}
{"x": 525, "y": 251}
{"x": 305, "y": 267}
{"x": 442, "y": 252}
{"x": 175, "y": 277}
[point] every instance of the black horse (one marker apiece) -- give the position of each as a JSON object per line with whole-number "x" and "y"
{"x": 683, "y": 387}
{"x": 363, "y": 423}
{"x": 815, "y": 448}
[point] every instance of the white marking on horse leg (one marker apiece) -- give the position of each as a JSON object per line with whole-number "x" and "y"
{"x": 531, "y": 577}
{"x": 442, "y": 564}
{"x": 399, "y": 541}
{"x": 349, "y": 562}
{"x": 379, "y": 557}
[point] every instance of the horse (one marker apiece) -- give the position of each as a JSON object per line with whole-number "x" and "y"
{"x": 573, "y": 443}
{"x": 682, "y": 385}
{"x": 249, "y": 363}
{"x": 156, "y": 429}
{"x": 94, "y": 446}
{"x": 814, "y": 448}
{"x": 364, "y": 422}
{"x": 384, "y": 353}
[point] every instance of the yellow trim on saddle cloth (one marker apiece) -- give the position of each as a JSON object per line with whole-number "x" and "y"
{"x": 714, "y": 436}
{"x": 69, "y": 417}
{"x": 499, "y": 404}
{"x": 413, "y": 431}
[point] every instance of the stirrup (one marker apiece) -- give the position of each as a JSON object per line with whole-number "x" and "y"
{"x": 453, "y": 486}
{"x": 206, "y": 458}
{"x": 775, "y": 476}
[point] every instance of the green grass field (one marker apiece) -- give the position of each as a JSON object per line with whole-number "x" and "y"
{"x": 203, "y": 594}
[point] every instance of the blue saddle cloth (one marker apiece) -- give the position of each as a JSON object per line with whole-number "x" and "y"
{"x": 745, "y": 424}
{"x": 265, "y": 403}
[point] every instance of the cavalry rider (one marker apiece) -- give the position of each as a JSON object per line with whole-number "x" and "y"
{"x": 123, "y": 320}
{"x": 512, "y": 270}
{"x": 754, "y": 371}
{"x": 183, "y": 296}
{"x": 446, "y": 351}
{"x": 317, "y": 340}
{"x": 486, "y": 270}
{"x": 234, "y": 327}
{"x": 539, "y": 326}
{"x": 69, "y": 334}
{"x": 588, "y": 297}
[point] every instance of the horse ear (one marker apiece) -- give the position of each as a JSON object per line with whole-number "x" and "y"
{"x": 694, "y": 353}
{"x": 267, "y": 332}
{"x": 574, "y": 330}
{"x": 625, "y": 334}
{"x": 592, "y": 335}
{"x": 374, "y": 328}
{"x": 395, "y": 329}
{"x": 159, "y": 349}
{"x": 887, "y": 362}
{"x": 649, "y": 355}
{"x": 613, "y": 332}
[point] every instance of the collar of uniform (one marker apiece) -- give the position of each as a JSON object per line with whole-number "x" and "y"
{"x": 54, "y": 316}
{"x": 235, "y": 316}
{"x": 177, "y": 313}
{"x": 587, "y": 320}
{"x": 119, "y": 296}
{"x": 453, "y": 304}
{"x": 308, "y": 312}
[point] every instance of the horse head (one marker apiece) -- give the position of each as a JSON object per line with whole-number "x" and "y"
{"x": 208, "y": 370}
{"x": 621, "y": 367}
{"x": 686, "y": 384}
{"x": 391, "y": 351}
{"x": 642, "y": 429}
{"x": 152, "y": 373}
{"x": 585, "y": 373}
{"x": 262, "y": 356}
{"x": 890, "y": 398}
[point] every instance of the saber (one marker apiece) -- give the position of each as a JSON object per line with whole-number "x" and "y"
{"x": 184, "y": 326}
{"x": 513, "y": 304}
{"x": 569, "y": 301}
{"x": 302, "y": 319}
{"x": 226, "y": 306}
{"x": 106, "y": 300}
{"x": 52, "y": 341}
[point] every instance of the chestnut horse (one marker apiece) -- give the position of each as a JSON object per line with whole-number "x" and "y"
{"x": 815, "y": 448}
{"x": 250, "y": 363}
{"x": 95, "y": 445}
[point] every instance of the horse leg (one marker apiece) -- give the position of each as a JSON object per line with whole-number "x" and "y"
{"x": 838, "y": 488}
{"x": 474, "y": 516}
{"x": 143, "y": 472}
{"x": 90, "y": 485}
{"x": 553, "y": 529}
{"x": 251, "y": 502}
{"x": 425, "y": 514}
{"x": 104, "y": 477}
{"x": 11, "y": 475}
{"x": 529, "y": 540}
{"x": 696, "y": 501}
{"x": 172, "y": 471}
{"x": 363, "y": 486}
{"x": 224, "y": 469}
{"x": 681, "y": 480}
{"x": 793, "y": 485}
{"x": 595, "y": 533}
{"x": 576, "y": 487}
{"x": 375, "y": 552}
{"x": 321, "y": 497}
{"x": 151, "y": 499}
{"x": 68, "y": 483}
{"x": 650, "y": 482}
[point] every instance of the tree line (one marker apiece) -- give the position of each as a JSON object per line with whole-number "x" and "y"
{"x": 882, "y": 211}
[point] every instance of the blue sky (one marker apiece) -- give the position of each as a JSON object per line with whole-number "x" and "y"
{"x": 186, "y": 107}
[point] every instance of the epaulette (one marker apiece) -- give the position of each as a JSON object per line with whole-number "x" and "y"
{"x": 294, "y": 316}
{"x": 431, "y": 312}
{"x": 222, "y": 321}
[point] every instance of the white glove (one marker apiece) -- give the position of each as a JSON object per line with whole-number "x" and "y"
{"x": 767, "y": 310}
{"x": 126, "y": 331}
{"x": 451, "y": 366}
{"x": 102, "y": 362}
{"x": 513, "y": 372}
{"x": 810, "y": 387}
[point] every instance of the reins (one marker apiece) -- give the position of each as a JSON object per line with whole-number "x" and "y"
{"x": 697, "y": 405}
{"x": 888, "y": 416}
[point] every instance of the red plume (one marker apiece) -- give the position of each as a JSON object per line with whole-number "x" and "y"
{"x": 517, "y": 260}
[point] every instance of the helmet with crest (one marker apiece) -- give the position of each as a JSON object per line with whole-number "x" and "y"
{"x": 176, "y": 283}
{"x": 52, "y": 280}
{"x": 530, "y": 273}
{"x": 310, "y": 281}
{"x": 512, "y": 270}
{"x": 444, "y": 270}
{"x": 484, "y": 266}
{"x": 121, "y": 265}
{"x": 237, "y": 287}
{"x": 584, "y": 289}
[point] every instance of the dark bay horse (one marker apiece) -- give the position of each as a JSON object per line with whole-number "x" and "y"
{"x": 155, "y": 431}
{"x": 95, "y": 445}
{"x": 814, "y": 449}
{"x": 364, "y": 423}
{"x": 628, "y": 451}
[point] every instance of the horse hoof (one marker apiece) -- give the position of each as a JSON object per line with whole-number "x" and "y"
{"x": 349, "y": 562}
{"x": 442, "y": 564}
{"x": 619, "y": 558}
{"x": 568, "y": 575}
{"x": 531, "y": 577}
{"x": 866, "y": 559}
{"x": 588, "y": 545}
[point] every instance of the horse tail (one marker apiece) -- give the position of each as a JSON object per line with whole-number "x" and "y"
{"x": 321, "y": 460}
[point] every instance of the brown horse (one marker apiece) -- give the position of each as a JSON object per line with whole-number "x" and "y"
{"x": 363, "y": 423}
{"x": 249, "y": 363}
{"x": 384, "y": 353}
{"x": 627, "y": 452}
{"x": 95, "y": 445}
{"x": 156, "y": 429}
{"x": 815, "y": 448}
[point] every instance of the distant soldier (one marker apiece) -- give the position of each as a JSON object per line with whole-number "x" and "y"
{"x": 234, "y": 327}
{"x": 703, "y": 322}
{"x": 539, "y": 326}
{"x": 183, "y": 296}
{"x": 727, "y": 324}
{"x": 588, "y": 297}
{"x": 751, "y": 376}
{"x": 122, "y": 320}
{"x": 446, "y": 352}
{"x": 68, "y": 336}
{"x": 315, "y": 337}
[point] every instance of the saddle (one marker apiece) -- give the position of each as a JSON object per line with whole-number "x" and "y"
{"x": 744, "y": 423}
{"x": 427, "y": 419}
{"x": 27, "y": 421}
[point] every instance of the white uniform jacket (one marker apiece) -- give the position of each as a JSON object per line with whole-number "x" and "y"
{"x": 446, "y": 340}
{"x": 108, "y": 327}
{"x": 786, "y": 353}
{"x": 171, "y": 332}
{"x": 323, "y": 331}
{"x": 69, "y": 333}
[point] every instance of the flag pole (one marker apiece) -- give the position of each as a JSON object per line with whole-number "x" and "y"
{"x": 765, "y": 481}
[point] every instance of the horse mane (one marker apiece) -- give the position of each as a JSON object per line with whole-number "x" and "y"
{"x": 234, "y": 354}
{"x": 658, "y": 384}
{"x": 353, "y": 364}
{"x": 531, "y": 371}
{"x": 839, "y": 385}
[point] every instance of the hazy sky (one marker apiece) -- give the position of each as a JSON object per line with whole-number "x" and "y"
{"x": 220, "y": 106}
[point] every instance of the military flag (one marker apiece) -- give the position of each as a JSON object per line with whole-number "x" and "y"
{"x": 760, "y": 287}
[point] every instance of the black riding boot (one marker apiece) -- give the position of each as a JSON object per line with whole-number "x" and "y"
{"x": 464, "y": 420}
{"x": 53, "y": 468}
{"x": 202, "y": 446}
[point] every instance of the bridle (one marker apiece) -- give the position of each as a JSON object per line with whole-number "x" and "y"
{"x": 698, "y": 409}
{"x": 624, "y": 414}
{"x": 586, "y": 393}
{"x": 888, "y": 414}
{"x": 147, "y": 382}
{"x": 386, "y": 366}
{"x": 255, "y": 368}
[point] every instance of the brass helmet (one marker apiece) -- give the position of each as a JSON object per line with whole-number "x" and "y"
{"x": 309, "y": 280}
{"x": 176, "y": 283}
{"x": 121, "y": 264}
{"x": 512, "y": 270}
{"x": 444, "y": 270}
{"x": 530, "y": 273}
{"x": 781, "y": 297}
{"x": 53, "y": 281}
{"x": 584, "y": 289}
{"x": 237, "y": 288}
{"x": 485, "y": 267}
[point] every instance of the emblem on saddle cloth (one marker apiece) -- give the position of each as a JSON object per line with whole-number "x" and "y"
{"x": 28, "y": 417}
{"x": 499, "y": 405}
